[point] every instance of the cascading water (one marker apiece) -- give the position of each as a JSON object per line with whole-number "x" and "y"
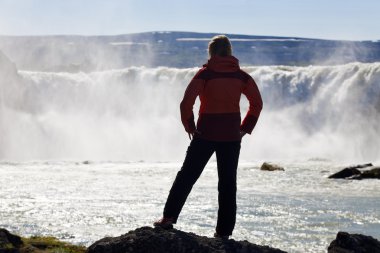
{"x": 133, "y": 114}
{"x": 323, "y": 111}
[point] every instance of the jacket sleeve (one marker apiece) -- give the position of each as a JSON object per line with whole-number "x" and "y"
{"x": 252, "y": 93}
{"x": 194, "y": 88}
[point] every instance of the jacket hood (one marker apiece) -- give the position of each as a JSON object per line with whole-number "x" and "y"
{"x": 223, "y": 64}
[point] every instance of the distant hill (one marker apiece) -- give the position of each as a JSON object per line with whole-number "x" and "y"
{"x": 175, "y": 49}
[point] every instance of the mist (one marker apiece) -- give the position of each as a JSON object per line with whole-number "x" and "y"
{"x": 132, "y": 114}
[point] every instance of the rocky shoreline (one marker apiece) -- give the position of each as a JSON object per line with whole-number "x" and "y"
{"x": 157, "y": 240}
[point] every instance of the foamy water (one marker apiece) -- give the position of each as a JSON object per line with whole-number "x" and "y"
{"x": 298, "y": 210}
{"x": 133, "y": 114}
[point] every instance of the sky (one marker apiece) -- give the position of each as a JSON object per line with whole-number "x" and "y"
{"x": 323, "y": 19}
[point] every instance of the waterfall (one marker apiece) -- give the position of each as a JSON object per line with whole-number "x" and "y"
{"x": 131, "y": 114}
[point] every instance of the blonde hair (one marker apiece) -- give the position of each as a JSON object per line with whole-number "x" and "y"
{"x": 219, "y": 45}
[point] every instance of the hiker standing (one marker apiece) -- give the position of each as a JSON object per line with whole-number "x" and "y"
{"x": 219, "y": 85}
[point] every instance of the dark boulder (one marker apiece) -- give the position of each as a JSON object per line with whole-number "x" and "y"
{"x": 157, "y": 240}
{"x": 346, "y": 173}
{"x": 271, "y": 167}
{"x": 354, "y": 243}
{"x": 351, "y": 172}
{"x": 361, "y": 166}
{"x": 372, "y": 173}
{"x": 9, "y": 243}
{"x": 354, "y": 172}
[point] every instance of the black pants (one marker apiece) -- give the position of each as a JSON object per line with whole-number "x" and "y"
{"x": 197, "y": 156}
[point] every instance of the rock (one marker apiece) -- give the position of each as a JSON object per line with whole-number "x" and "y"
{"x": 354, "y": 172}
{"x": 360, "y": 166}
{"x": 158, "y": 240}
{"x": 9, "y": 242}
{"x": 373, "y": 173}
{"x": 350, "y": 171}
{"x": 354, "y": 243}
{"x": 271, "y": 167}
{"x": 368, "y": 174}
{"x": 346, "y": 173}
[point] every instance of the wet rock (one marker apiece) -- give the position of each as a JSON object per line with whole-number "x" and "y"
{"x": 368, "y": 174}
{"x": 157, "y": 240}
{"x": 354, "y": 243}
{"x": 360, "y": 166}
{"x": 9, "y": 243}
{"x": 271, "y": 167}
{"x": 346, "y": 173}
{"x": 373, "y": 173}
{"x": 353, "y": 172}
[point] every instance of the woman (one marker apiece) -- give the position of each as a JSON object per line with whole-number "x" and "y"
{"x": 219, "y": 85}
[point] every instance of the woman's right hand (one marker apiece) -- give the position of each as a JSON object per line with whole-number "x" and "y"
{"x": 191, "y": 134}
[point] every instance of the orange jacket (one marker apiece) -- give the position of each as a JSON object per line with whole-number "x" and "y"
{"x": 219, "y": 85}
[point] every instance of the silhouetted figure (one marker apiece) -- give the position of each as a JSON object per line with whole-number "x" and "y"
{"x": 219, "y": 85}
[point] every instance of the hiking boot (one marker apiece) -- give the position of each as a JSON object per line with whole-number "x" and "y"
{"x": 164, "y": 222}
{"x": 223, "y": 237}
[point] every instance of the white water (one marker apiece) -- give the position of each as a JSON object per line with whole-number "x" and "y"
{"x": 133, "y": 114}
{"x": 298, "y": 210}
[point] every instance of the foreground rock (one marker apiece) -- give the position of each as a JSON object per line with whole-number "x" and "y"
{"x": 271, "y": 167}
{"x": 10, "y": 243}
{"x": 157, "y": 240}
{"x": 355, "y": 173}
{"x": 354, "y": 243}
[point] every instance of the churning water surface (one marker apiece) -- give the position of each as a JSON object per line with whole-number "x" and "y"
{"x": 297, "y": 210}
